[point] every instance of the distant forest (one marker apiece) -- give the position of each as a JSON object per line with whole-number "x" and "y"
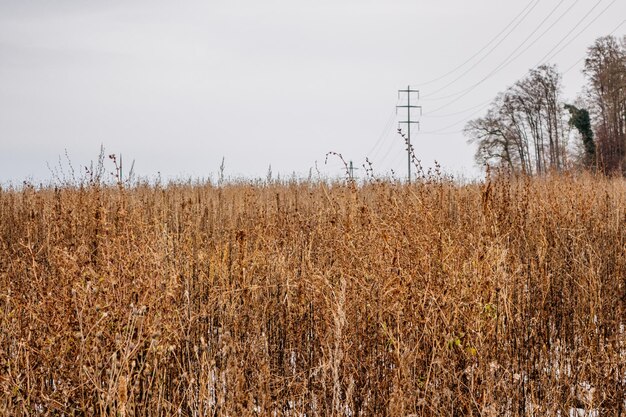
{"x": 530, "y": 129}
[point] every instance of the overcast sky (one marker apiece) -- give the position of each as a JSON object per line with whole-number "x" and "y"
{"x": 176, "y": 86}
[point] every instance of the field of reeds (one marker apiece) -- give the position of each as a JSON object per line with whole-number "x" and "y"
{"x": 501, "y": 298}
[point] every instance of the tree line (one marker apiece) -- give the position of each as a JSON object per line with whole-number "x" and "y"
{"x": 531, "y": 129}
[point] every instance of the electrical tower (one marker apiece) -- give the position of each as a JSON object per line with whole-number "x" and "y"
{"x": 408, "y": 121}
{"x": 351, "y": 169}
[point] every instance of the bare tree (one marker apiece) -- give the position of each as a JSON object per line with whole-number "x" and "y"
{"x": 605, "y": 69}
{"x": 523, "y": 129}
{"x": 494, "y": 146}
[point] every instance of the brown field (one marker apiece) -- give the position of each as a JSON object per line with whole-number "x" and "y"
{"x": 313, "y": 299}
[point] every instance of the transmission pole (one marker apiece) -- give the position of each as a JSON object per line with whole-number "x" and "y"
{"x": 408, "y": 121}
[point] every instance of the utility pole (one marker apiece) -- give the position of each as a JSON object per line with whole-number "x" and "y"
{"x": 351, "y": 169}
{"x": 408, "y": 121}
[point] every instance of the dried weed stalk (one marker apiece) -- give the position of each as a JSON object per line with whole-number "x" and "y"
{"x": 307, "y": 299}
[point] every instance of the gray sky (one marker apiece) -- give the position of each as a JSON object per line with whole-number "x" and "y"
{"x": 176, "y": 86}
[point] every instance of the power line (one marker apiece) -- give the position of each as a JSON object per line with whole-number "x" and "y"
{"x": 385, "y": 130}
{"x": 441, "y": 131}
{"x": 384, "y": 138}
{"x": 392, "y": 146}
{"x": 456, "y": 132}
{"x": 579, "y": 33}
{"x": 442, "y": 116}
{"x": 481, "y": 50}
{"x": 508, "y": 60}
{"x": 375, "y": 149}
{"x": 501, "y": 66}
{"x": 437, "y": 131}
{"x": 389, "y": 147}
{"x": 540, "y": 36}
{"x": 395, "y": 161}
{"x": 584, "y": 56}
{"x": 498, "y": 44}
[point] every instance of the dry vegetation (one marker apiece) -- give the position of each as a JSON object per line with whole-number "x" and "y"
{"x": 314, "y": 299}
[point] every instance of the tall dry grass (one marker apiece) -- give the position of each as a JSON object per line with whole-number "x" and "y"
{"x": 314, "y": 299}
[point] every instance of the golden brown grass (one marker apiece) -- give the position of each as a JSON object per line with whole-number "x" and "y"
{"x": 313, "y": 299}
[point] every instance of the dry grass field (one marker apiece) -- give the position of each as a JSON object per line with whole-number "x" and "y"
{"x": 505, "y": 298}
